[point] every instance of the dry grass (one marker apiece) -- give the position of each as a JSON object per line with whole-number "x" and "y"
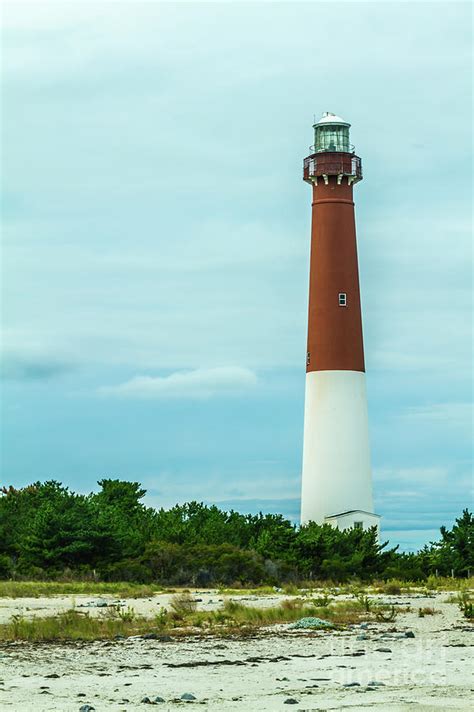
{"x": 71, "y": 625}
{"x": 182, "y": 605}
{"x": 235, "y": 615}
{"x": 232, "y": 618}
{"x": 427, "y": 611}
{"x": 260, "y": 591}
{"x": 37, "y": 589}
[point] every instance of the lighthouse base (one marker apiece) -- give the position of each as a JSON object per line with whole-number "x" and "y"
{"x": 357, "y": 519}
{"x": 337, "y": 478}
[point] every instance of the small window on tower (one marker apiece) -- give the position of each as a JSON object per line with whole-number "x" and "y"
{"x": 358, "y": 525}
{"x": 342, "y": 299}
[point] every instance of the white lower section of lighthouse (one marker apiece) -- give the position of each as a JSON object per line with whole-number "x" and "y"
{"x": 337, "y": 479}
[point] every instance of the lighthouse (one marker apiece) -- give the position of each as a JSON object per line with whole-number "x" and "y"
{"x": 337, "y": 478}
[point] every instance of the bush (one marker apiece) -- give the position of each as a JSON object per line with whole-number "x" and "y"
{"x": 392, "y": 587}
{"x": 50, "y": 533}
{"x": 183, "y": 604}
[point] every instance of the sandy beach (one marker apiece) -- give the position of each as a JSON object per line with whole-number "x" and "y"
{"x": 361, "y": 667}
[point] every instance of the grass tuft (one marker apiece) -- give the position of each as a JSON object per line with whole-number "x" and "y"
{"x": 427, "y": 611}
{"x": 182, "y": 604}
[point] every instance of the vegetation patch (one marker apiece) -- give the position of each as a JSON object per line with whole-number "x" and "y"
{"x": 427, "y": 611}
{"x": 232, "y": 618}
{"x": 48, "y": 533}
{"x": 36, "y": 589}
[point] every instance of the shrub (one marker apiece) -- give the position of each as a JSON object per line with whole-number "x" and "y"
{"x": 427, "y": 611}
{"x": 182, "y": 605}
{"x": 392, "y": 587}
{"x": 466, "y": 605}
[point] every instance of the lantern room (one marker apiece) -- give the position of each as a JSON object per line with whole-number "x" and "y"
{"x": 331, "y": 134}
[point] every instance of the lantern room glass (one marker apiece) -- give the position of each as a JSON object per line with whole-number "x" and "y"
{"x": 331, "y": 138}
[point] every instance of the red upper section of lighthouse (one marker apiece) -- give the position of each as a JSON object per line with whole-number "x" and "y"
{"x": 334, "y": 319}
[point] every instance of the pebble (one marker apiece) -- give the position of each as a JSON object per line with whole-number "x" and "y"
{"x": 351, "y": 684}
{"x": 188, "y": 696}
{"x": 290, "y": 701}
{"x": 146, "y": 700}
{"x": 409, "y": 634}
{"x": 383, "y": 650}
{"x": 159, "y": 699}
{"x": 86, "y": 708}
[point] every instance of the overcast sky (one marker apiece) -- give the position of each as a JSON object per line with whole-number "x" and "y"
{"x": 156, "y": 245}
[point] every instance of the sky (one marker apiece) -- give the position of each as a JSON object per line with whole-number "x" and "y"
{"x": 156, "y": 246}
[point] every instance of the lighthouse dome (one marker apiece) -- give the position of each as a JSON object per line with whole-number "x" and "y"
{"x": 329, "y": 118}
{"x": 331, "y": 134}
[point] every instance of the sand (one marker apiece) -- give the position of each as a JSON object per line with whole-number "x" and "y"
{"x": 431, "y": 671}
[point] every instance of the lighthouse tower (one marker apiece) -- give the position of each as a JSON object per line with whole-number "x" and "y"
{"x": 337, "y": 479}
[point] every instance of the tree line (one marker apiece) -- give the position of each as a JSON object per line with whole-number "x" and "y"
{"x": 50, "y": 532}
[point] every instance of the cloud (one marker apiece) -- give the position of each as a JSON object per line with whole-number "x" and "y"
{"x": 18, "y": 367}
{"x": 445, "y": 414}
{"x": 201, "y": 383}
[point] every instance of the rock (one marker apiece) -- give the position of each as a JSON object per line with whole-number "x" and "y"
{"x": 375, "y": 683}
{"x": 86, "y": 708}
{"x": 159, "y": 699}
{"x": 364, "y": 626}
{"x": 119, "y": 637}
{"x": 81, "y": 694}
{"x": 312, "y": 622}
{"x": 362, "y": 636}
{"x": 409, "y": 634}
{"x": 53, "y": 676}
{"x": 146, "y": 701}
{"x": 149, "y": 636}
{"x": 351, "y": 684}
{"x": 383, "y": 650}
{"x": 100, "y": 603}
{"x": 188, "y": 696}
{"x": 290, "y": 701}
